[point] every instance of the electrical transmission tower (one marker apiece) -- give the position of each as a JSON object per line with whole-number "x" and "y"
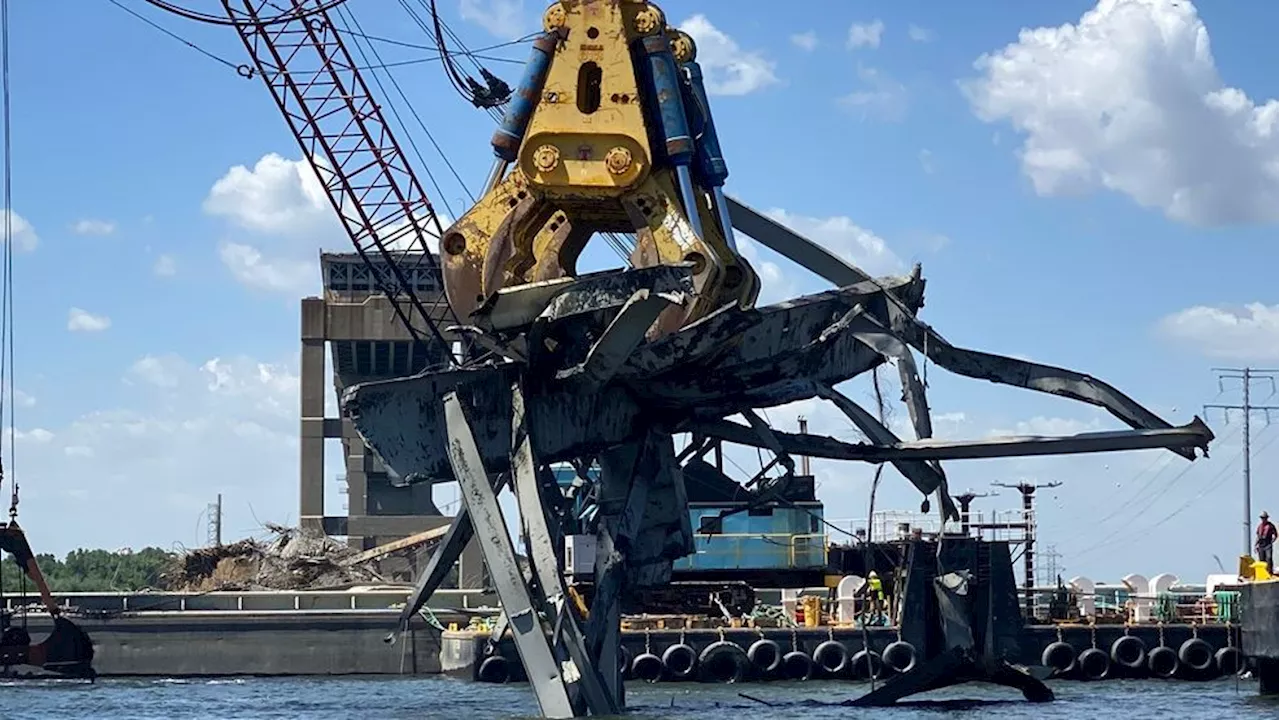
{"x": 214, "y": 534}
{"x": 1247, "y": 376}
{"x": 1028, "y": 491}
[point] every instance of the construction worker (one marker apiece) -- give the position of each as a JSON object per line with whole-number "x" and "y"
{"x": 1266, "y": 541}
{"x": 875, "y": 590}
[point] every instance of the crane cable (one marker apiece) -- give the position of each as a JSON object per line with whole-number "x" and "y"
{"x": 210, "y": 19}
{"x": 6, "y": 304}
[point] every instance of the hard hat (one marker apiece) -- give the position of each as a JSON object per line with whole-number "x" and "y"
{"x": 872, "y": 574}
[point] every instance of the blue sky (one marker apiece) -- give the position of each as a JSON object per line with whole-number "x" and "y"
{"x": 1089, "y": 186}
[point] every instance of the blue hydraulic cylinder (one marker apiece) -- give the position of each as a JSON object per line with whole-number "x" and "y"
{"x": 524, "y": 101}
{"x": 711, "y": 162}
{"x": 673, "y": 124}
{"x": 710, "y": 158}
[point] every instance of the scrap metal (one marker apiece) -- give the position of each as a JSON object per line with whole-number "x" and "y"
{"x": 610, "y": 131}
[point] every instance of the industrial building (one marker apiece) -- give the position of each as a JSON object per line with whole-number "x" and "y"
{"x": 357, "y": 324}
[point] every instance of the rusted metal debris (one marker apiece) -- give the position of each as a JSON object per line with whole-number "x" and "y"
{"x": 570, "y": 377}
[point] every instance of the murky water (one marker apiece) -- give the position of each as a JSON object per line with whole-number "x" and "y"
{"x": 446, "y": 699}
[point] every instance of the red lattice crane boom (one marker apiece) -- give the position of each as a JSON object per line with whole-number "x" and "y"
{"x": 344, "y": 136}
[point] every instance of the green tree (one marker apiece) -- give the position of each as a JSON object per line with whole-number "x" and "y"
{"x": 93, "y": 571}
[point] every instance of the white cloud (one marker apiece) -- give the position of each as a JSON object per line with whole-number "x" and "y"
{"x": 1129, "y": 99}
{"x": 165, "y": 266}
{"x": 226, "y": 424}
{"x": 1042, "y": 425}
{"x": 24, "y": 235}
{"x": 84, "y": 321}
{"x": 162, "y": 371}
{"x": 728, "y": 69}
{"x": 841, "y": 235}
{"x": 278, "y": 196}
{"x": 89, "y": 226}
{"x": 283, "y": 204}
{"x": 920, "y": 34}
{"x": 1248, "y": 333}
{"x": 248, "y": 265}
{"x": 23, "y": 399}
{"x": 926, "y": 161}
{"x": 35, "y": 435}
{"x": 878, "y": 95}
{"x": 865, "y": 34}
{"x": 502, "y": 18}
{"x": 806, "y": 41}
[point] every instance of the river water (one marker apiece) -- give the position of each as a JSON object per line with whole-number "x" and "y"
{"x": 441, "y": 698}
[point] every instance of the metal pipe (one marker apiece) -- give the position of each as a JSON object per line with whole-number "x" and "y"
{"x": 673, "y": 123}
{"x": 685, "y": 180}
{"x": 726, "y": 224}
{"x": 496, "y": 172}
{"x": 524, "y": 101}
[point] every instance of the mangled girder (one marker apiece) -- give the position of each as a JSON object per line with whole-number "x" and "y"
{"x": 730, "y": 362}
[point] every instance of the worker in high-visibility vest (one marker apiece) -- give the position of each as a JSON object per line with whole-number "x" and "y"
{"x": 875, "y": 590}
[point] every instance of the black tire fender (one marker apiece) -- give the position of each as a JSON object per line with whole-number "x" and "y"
{"x": 899, "y": 656}
{"x": 647, "y": 667}
{"x": 765, "y": 655}
{"x": 1094, "y": 664}
{"x": 680, "y": 661}
{"x": 494, "y": 670}
{"x": 831, "y": 657}
{"x": 1196, "y": 655}
{"x": 796, "y": 665}
{"x": 1130, "y": 652}
{"x": 1060, "y": 656}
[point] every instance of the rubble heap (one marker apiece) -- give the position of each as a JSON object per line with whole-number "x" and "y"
{"x": 293, "y": 559}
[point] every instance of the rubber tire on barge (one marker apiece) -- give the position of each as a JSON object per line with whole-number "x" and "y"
{"x": 831, "y": 657}
{"x": 1162, "y": 662}
{"x": 1094, "y": 664}
{"x": 899, "y": 656}
{"x": 765, "y": 656}
{"x": 1060, "y": 656}
{"x": 1128, "y": 651}
{"x": 722, "y": 662}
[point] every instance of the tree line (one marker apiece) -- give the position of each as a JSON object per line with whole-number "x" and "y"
{"x": 93, "y": 571}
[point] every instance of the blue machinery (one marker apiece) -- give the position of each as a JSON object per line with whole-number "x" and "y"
{"x": 766, "y": 545}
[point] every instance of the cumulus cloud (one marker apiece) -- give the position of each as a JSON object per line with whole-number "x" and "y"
{"x": 191, "y": 429}
{"x": 283, "y": 218}
{"x": 24, "y": 235}
{"x": 282, "y": 206}
{"x": 728, "y": 69}
{"x": 865, "y": 35}
{"x": 1048, "y": 425}
{"x": 278, "y": 196}
{"x": 877, "y": 95}
{"x": 920, "y": 34}
{"x": 1246, "y": 334}
{"x": 90, "y": 226}
{"x": 1129, "y": 99}
{"x": 248, "y": 265}
{"x": 165, "y": 266}
{"x": 806, "y": 41}
{"x": 841, "y": 235}
{"x": 79, "y": 320}
{"x": 502, "y": 18}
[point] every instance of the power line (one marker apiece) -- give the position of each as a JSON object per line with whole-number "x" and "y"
{"x": 1246, "y": 376}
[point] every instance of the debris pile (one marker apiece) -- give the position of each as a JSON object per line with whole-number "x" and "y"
{"x": 293, "y": 559}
